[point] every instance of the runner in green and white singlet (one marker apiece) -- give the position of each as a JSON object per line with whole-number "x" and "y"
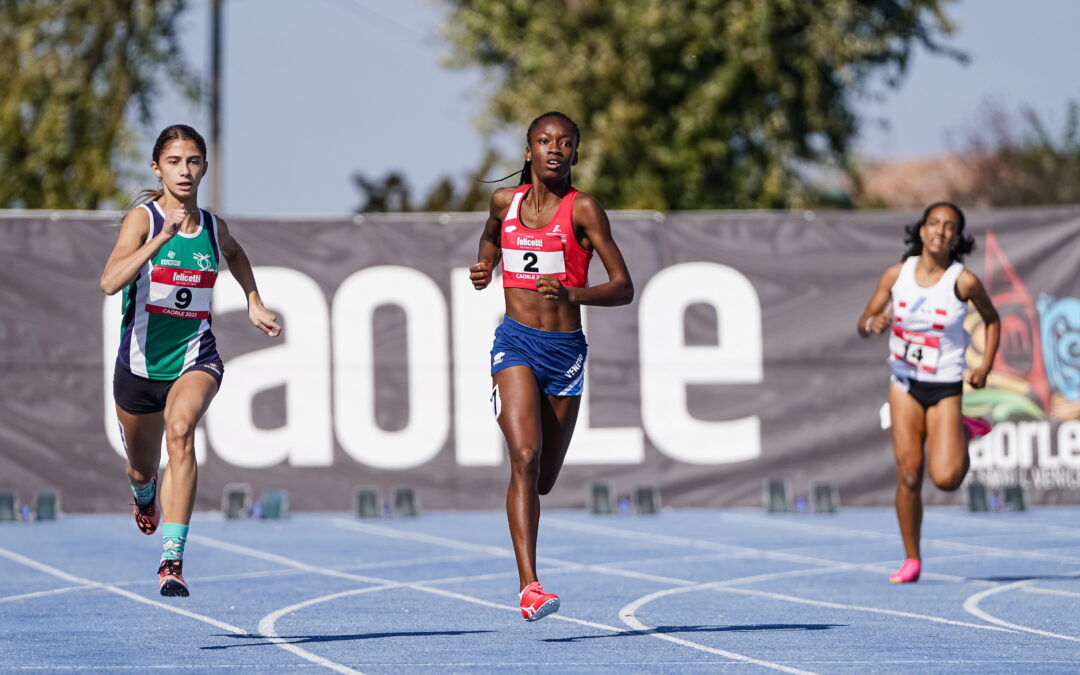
{"x": 168, "y": 370}
{"x": 166, "y": 309}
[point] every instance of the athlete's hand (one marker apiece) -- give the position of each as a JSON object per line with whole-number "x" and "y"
{"x": 977, "y": 378}
{"x": 173, "y": 220}
{"x": 552, "y": 289}
{"x": 480, "y": 275}
{"x": 878, "y": 323}
{"x": 263, "y": 319}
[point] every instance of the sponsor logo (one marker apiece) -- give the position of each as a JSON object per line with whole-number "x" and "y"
{"x": 169, "y": 263}
{"x": 576, "y": 367}
{"x": 527, "y": 241}
{"x": 213, "y": 367}
{"x": 497, "y": 359}
{"x": 203, "y": 261}
{"x": 510, "y": 228}
{"x": 172, "y": 254}
{"x": 190, "y": 278}
{"x": 555, "y": 229}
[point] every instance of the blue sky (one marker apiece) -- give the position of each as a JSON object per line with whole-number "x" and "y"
{"x": 317, "y": 90}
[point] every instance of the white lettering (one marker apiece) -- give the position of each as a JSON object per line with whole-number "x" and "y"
{"x": 668, "y": 364}
{"x": 1069, "y": 443}
{"x": 301, "y": 364}
{"x": 427, "y": 362}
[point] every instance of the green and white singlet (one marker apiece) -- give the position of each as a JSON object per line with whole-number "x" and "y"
{"x": 165, "y": 328}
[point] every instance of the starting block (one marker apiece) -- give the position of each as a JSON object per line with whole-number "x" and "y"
{"x": 826, "y": 498}
{"x": 777, "y": 496}
{"x": 236, "y": 500}
{"x": 275, "y": 504}
{"x": 600, "y": 498}
{"x": 1014, "y": 498}
{"x": 405, "y": 503}
{"x": 9, "y": 506}
{"x": 367, "y": 502}
{"x": 646, "y": 500}
{"x": 976, "y": 497}
{"x": 46, "y": 505}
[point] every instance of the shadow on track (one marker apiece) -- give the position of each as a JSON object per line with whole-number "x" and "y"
{"x": 309, "y": 639}
{"x": 706, "y": 629}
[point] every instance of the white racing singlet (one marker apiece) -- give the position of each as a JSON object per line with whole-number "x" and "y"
{"x": 927, "y": 342}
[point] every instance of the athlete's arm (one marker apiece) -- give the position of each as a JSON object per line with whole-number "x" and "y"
{"x": 491, "y": 239}
{"x": 132, "y": 249}
{"x": 240, "y": 266}
{"x": 619, "y": 288}
{"x": 970, "y": 288}
{"x": 874, "y": 318}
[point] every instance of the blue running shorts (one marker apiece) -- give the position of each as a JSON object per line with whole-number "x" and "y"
{"x": 557, "y": 359}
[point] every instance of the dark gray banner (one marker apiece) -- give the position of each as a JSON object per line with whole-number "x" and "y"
{"x": 738, "y": 361}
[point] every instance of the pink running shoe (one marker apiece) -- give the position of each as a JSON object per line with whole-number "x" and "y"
{"x": 171, "y": 579}
{"x": 976, "y": 426}
{"x": 147, "y": 516}
{"x": 536, "y": 604}
{"x": 908, "y": 572}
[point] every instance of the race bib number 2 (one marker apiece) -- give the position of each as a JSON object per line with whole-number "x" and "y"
{"x": 537, "y": 255}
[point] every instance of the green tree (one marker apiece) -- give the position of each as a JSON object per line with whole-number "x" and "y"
{"x": 1016, "y": 160}
{"x": 689, "y": 104}
{"x": 75, "y": 71}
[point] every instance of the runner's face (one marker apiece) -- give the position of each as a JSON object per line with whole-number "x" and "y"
{"x": 181, "y": 168}
{"x": 940, "y": 231}
{"x": 552, "y": 148}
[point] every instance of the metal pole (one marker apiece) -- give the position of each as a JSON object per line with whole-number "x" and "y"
{"x": 216, "y": 168}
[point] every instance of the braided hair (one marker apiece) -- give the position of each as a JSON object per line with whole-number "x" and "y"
{"x": 526, "y": 169}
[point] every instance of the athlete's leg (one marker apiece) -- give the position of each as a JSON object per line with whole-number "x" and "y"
{"x": 142, "y": 443}
{"x": 946, "y": 444}
{"x": 908, "y": 433}
{"x": 187, "y": 402}
{"x": 141, "y": 435}
{"x": 519, "y": 419}
{"x": 558, "y": 416}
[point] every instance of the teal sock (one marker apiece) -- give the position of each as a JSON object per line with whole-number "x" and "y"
{"x": 173, "y": 536}
{"x": 146, "y": 493}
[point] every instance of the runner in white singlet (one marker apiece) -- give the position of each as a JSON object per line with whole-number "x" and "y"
{"x": 921, "y": 303}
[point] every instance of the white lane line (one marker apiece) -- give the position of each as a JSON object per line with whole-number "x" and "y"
{"x": 281, "y": 560}
{"x": 1050, "y": 591}
{"x": 687, "y": 542}
{"x": 421, "y": 586}
{"x": 971, "y": 606}
{"x": 267, "y": 627}
{"x": 871, "y": 534}
{"x": 48, "y": 569}
{"x": 856, "y": 608}
{"x": 43, "y": 594}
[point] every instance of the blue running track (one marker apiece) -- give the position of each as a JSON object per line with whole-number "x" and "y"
{"x": 737, "y": 591}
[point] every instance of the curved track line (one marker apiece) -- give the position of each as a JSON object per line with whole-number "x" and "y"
{"x": 627, "y": 616}
{"x": 971, "y": 606}
{"x": 266, "y": 627}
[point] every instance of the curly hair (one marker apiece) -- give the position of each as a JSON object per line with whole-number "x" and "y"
{"x": 964, "y": 243}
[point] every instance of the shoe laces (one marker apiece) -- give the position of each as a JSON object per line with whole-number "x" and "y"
{"x": 171, "y": 567}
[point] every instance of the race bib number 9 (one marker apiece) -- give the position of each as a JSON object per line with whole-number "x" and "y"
{"x": 918, "y": 349}
{"x": 180, "y": 293}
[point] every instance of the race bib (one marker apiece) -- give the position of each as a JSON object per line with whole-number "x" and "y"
{"x": 527, "y": 257}
{"x": 181, "y": 293}
{"x": 918, "y": 349}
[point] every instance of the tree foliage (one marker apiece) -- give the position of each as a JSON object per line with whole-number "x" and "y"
{"x": 688, "y": 104}
{"x": 1017, "y": 160}
{"x": 74, "y": 72}
{"x": 392, "y": 193}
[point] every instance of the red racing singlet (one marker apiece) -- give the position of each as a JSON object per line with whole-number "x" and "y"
{"x": 552, "y": 249}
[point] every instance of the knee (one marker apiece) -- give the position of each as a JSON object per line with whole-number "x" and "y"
{"x": 909, "y": 476}
{"x": 948, "y": 479}
{"x": 179, "y": 430}
{"x": 525, "y": 462}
